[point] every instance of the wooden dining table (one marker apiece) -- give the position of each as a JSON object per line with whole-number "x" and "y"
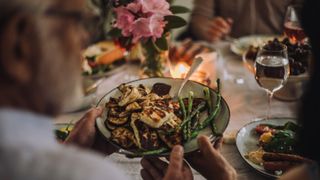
{"x": 246, "y": 101}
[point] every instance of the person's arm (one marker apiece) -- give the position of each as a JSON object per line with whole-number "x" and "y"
{"x": 85, "y": 134}
{"x": 206, "y": 26}
{"x": 201, "y": 15}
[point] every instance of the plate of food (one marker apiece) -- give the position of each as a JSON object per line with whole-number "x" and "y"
{"x": 241, "y": 45}
{"x": 102, "y": 59}
{"x": 142, "y": 118}
{"x": 299, "y": 58}
{"x": 269, "y": 146}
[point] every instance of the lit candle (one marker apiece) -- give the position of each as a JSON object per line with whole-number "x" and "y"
{"x": 180, "y": 70}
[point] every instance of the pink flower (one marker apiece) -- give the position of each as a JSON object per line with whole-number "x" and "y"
{"x": 142, "y": 19}
{"x": 134, "y": 7}
{"x": 124, "y": 20}
{"x": 140, "y": 29}
{"x": 156, "y": 26}
{"x": 160, "y": 7}
{"x": 148, "y": 27}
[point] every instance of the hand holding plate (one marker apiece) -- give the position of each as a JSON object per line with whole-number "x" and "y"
{"x": 84, "y": 134}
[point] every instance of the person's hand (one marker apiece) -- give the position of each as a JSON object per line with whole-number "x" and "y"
{"x": 154, "y": 168}
{"x": 219, "y": 28}
{"x": 186, "y": 51}
{"x": 209, "y": 162}
{"x": 85, "y": 135}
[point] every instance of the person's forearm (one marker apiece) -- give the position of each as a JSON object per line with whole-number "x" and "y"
{"x": 200, "y": 18}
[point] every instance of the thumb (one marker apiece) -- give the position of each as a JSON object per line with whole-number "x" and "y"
{"x": 176, "y": 162}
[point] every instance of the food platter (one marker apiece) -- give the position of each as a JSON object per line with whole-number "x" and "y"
{"x": 242, "y": 44}
{"x": 221, "y": 120}
{"x": 247, "y": 140}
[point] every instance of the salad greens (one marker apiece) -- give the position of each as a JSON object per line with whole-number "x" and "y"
{"x": 284, "y": 139}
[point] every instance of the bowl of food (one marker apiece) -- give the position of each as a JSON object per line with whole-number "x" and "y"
{"x": 299, "y": 58}
{"x": 143, "y": 117}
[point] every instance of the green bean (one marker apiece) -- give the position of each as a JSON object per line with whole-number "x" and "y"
{"x": 152, "y": 152}
{"x": 183, "y": 108}
{"x": 214, "y": 127}
{"x": 211, "y": 117}
{"x": 207, "y": 96}
{"x": 186, "y": 128}
{"x": 197, "y": 110}
{"x": 190, "y": 102}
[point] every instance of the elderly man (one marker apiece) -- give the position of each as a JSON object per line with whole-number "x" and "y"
{"x": 39, "y": 74}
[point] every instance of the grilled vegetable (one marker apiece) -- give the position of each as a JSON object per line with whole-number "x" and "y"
{"x": 123, "y": 136}
{"x": 117, "y": 121}
{"x": 161, "y": 89}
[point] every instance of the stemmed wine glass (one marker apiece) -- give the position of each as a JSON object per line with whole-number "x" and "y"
{"x": 292, "y": 25}
{"x": 271, "y": 69}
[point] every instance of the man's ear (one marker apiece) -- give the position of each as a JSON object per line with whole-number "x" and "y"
{"x": 17, "y": 48}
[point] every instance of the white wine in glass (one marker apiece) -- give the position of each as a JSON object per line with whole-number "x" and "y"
{"x": 272, "y": 69}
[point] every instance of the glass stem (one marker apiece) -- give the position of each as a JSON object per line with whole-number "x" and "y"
{"x": 270, "y": 95}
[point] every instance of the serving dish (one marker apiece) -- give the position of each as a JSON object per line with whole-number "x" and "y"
{"x": 221, "y": 119}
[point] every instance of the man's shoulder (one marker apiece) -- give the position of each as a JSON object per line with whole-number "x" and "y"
{"x": 59, "y": 162}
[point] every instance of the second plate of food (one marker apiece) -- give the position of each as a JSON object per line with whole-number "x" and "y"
{"x": 142, "y": 117}
{"x": 269, "y": 145}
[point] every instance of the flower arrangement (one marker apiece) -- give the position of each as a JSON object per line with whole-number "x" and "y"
{"x": 147, "y": 22}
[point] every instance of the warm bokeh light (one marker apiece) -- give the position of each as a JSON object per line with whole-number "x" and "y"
{"x": 180, "y": 70}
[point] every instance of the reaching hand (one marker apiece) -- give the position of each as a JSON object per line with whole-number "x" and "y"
{"x": 219, "y": 28}
{"x": 154, "y": 168}
{"x": 209, "y": 162}
{"x": 84, "y": 134}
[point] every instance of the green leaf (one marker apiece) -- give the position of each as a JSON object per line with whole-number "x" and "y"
{"x": 179, "y": 9}
{"x": 115, "y": 33}
{"x": 161, "y": 44}
{"x": 174, "y": 22}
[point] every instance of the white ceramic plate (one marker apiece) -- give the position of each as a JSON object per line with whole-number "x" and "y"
{"x": 247, "y": 140}
{"x": 222, "y": 119}
{"x": 241, "y": 45}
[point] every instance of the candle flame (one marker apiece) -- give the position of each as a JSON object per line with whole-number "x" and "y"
{"x": 180, "y": 70}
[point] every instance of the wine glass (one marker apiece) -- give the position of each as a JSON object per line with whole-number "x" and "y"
{"x": 292, "y": 25}
{"x": 271, "y": 69}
